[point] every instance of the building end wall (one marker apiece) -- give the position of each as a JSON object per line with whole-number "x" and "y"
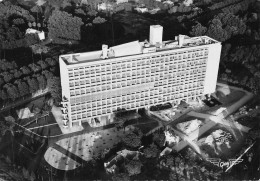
{"x": 212, "y": 68}
{"x": 64, "y": 77}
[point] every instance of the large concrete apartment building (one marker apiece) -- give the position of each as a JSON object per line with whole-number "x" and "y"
{"x": 136, "y": 75}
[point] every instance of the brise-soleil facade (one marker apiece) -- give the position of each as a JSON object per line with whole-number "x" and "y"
{"x": 136, "y": 75}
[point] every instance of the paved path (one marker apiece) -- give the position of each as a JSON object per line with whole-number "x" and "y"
{"x": 21, "y": 102}
{"x": 69, "y": 154}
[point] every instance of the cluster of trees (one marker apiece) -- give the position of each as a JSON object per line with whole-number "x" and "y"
{"x": 235, "y": 8}
{"x": 7, "y": 9}
{"x": 180, "y": 9}
{"x": 26, "y": 41}
{"x": 247, "y": 57}
{"x": 98, "y": 20}
{"x": 221, "y": 27}
{"x": 152, "y": 151}
{"x": 54, "y": 87}
{"x": 222, "y": 4}
{"x": 62, "y": 25}
{"x": 133, "y": 167}
{"x": 189, "y": 16}
{"x": 186, "y": 165}
{"x": 154, "y": 4}
{"x": 159, "y": 138}
{"x": 12, "y": 33}
{"x": 133, "y": 139}
{"x": 39, "y": 49}
{"x": 18, "y": 82}
{"x": 189, "y": 167}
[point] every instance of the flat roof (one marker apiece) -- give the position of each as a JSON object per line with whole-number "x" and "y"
{"x": 135, "y": 48}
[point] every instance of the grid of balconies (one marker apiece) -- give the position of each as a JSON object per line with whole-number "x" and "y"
{"x": 175, "y": 76}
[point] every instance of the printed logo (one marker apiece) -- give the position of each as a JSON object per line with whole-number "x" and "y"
{"x": 221, "y": 164}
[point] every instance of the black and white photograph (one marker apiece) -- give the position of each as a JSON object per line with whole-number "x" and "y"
{"x": 129, "y": 90}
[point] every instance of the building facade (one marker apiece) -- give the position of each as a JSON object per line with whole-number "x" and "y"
{"x": 136, "y": 75}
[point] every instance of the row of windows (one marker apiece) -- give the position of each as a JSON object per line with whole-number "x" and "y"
{"x": 149, "y": 59}
{"x": 133, "y": 75}
{"x": 80, "y": 85}
{"x": 134, "y": 96}
{"x": 129, "y": 83}
{"x": 174, "y": 65}
{"x": 97, "y": 111}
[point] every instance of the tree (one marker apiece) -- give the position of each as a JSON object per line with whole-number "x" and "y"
{"x": 92, "y": 13}
{"x": 13, "y": 33}
{"x": 33, "y": 84}
{"x": 18, "y": 21}
{"x": 54, "y": 87}
{"x": 48, "y": 75}
{"x": 80, "y": 12}
{"x": 51, "y": 61}
{"x": 34, "y": 67}
{"x": 98, "y": 20}
{"x": 215, "y": 31}
{"x": 17, "y": 73}
{"x": 25, "y": 70}
{"x": 22, "y": 87}
{"x": 133, "y": 167}
{"x": 7, "y": 76}
{"x": 173, "y": 9}
{"x": 63, "y": 25}
{"x": 42, "y": 64}
{"x": 198, "y": 30}
{"x": 151, "y": 151}
{"x": 12, "y": 91}
{"x": 42, "y": 81}
{"x": 8, "y": 9}
{"x": 36, "y": 9}
{"x": 132, "y": 140}
{"x": 6, "y": 65}
{"x": 31, "y": 39}
{"x": 39, "y": 49}
{"x": 159, "y": 139}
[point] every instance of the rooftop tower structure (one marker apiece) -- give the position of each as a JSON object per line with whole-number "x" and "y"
{"x": 156, "y": 34}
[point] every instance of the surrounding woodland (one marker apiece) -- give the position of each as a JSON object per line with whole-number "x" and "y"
{"x": 77, "y": 23}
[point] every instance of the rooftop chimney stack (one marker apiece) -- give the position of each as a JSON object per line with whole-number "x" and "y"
{"x": 156, "y": 33}
{"x": 104, "y": 51}
{"x": 181, "y": 40}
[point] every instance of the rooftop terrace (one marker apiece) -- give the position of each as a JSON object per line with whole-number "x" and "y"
{"x": 136, "y": 48}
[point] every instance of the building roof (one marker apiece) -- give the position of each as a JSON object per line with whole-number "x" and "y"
{"x": 136, "y": 48}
